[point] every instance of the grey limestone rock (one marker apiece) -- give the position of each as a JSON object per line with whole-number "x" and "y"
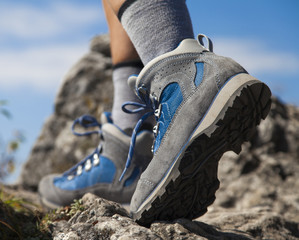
{"x": 86, "y": 89}
{"x": 103, "y": 219}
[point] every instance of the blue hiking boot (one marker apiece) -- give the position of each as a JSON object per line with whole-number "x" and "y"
{"x": 204, "y": 105}
{"x": 99, "y": 172}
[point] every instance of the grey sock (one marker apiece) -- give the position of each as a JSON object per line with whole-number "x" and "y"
{"x": 155, "y": 26}
{"x": 123, "y": 93}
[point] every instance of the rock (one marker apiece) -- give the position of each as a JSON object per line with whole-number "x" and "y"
{"x": 265, "y": 173}
{"x": 86, "y": 89}
{"x": 254, "y": 223}
{"x": 103, "y": 219}
{"x": 101, "y": 44}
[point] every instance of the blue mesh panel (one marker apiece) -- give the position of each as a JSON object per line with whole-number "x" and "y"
{"x": 171, "y": 99}
{"x": 199, "y": 73}
{"x": 102, "y": 173}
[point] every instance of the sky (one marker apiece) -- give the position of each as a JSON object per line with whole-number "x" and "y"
{"x": 41, "y": 40}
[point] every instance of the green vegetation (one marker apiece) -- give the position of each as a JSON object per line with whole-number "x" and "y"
{"x": 3, "y": 110}
{"x": 20, "y": 219}
{"x": 8, "y": 148}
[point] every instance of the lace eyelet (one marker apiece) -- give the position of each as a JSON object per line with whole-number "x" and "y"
{"x": 79, "y": 170}
{"x": 158, "y": 112}
{"x": 96, "y": 160}
{"x": 70, "y": 177}
{"x": 87, "y": 165}
{"x": 142, "y": 89}
{"x": 152, "y": 149}
{"x": 155, "y": 128}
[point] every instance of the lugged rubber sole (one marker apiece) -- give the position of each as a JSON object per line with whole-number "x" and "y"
{"x": 191, "y": 184}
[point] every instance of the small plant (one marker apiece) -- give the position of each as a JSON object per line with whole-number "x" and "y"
{"x": 7, "y": 154}
{"x": 77, "y": 206}
{"x": 8, "y": 149}
{"x": 3, "y": 110}
{"x": 20, "y": 219}
{"x": 61, "y": 214}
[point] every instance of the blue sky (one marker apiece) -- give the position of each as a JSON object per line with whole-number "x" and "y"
{"x": 41, "y": 40}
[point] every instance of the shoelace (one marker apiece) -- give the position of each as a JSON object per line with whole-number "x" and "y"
{"x": 85, "y": 121}
{"x": 151, "y": 105}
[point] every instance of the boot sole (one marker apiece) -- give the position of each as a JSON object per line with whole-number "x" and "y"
{"x": 190, "y": 184}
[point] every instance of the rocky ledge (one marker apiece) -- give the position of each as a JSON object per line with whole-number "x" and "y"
{"x": 102, "y": 219}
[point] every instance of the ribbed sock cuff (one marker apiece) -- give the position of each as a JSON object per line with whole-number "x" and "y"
{"x": 123, "y": 8}
{"x": 133, "y": 63}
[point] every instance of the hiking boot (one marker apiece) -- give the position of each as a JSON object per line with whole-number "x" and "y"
{"x": 99, "y": 172}
{"x": 204, "y": 105}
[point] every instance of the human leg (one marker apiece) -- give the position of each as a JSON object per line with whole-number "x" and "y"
{"x": 204, "y": 105}
{"x": 126, "y": 62}
{"x": 100, "y": 171}
{"x": 155, "y": 27}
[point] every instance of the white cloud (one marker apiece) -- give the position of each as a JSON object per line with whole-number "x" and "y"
{"x": 41, "y": 68}
{"x": 39, "y": 43}
{"x": 32, "y": 22}
{"x": 256, "y": 57}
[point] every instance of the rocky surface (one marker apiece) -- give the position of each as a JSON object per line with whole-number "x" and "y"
{"x": 266, "y": 172}
{"x": 259, "y": 192}
{"x": 102, "y": 219}
{"x": 86, "y": 89}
